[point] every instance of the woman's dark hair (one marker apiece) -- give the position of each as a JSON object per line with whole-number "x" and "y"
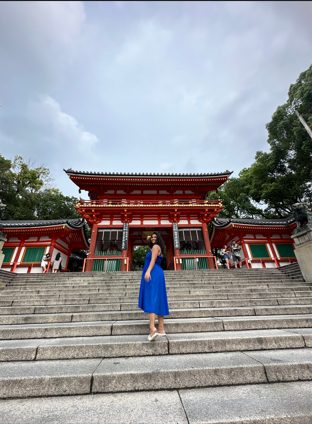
{"x": 159, "y": 241}
{"x": 57, "y": 257}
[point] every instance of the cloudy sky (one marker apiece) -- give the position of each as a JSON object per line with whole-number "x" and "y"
{"x": 145, "y": 86}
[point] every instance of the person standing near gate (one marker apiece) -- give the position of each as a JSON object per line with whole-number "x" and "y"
{"x": 236, "y": 253}
{"x": 45, "y": 262}
{"x": 153, "y": 294}
{"x": 57, "y": 263}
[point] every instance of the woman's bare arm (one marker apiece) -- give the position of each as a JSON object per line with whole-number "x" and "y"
{"x": 155, "y": 252}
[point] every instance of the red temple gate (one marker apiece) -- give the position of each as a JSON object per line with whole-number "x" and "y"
{"x": 122, "y": 208}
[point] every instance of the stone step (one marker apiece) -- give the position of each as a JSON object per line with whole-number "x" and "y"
{"x": 82, "y": 376}
{"x": 194, "y": 286}
{"x": 173, "y": 275}
{"x": 171, "y": 294}
{"x": 279, "y": 403}
{"x": 190, "y": 325}
{"x": 170, "y": 285}
{"x": 137, "y": 345}
{"x": 122, "y": 276}
{"x": 117, "y": 297}
{"x": 138, "y": 314}
{"x": 133, "y": 297}
{"x": 88, "y": 307}
{"x": 140, "y": 326}
{"x": 117, "y": 300}
{"x": 177, "y": 288}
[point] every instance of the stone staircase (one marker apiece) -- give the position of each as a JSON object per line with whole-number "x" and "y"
{"x": 230, "y": 336}
{"x": 292, "y": 270}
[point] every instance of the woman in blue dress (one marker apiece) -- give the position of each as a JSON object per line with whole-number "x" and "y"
{"x": 153, "y": 295}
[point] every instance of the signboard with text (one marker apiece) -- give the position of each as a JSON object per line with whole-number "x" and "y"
{"x": 176, "y": 239}
{"x": 125, "y": 236}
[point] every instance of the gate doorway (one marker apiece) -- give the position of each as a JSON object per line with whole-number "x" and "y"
{"x": 138, "y": 246}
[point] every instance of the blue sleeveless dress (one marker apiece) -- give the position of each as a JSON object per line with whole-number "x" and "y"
{"x": 153, "y": 295}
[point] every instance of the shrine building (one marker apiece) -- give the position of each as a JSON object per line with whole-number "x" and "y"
{"x": 27, "y": 242}
{"x": 266, "y": 243}
{"x": 124, "y": 208}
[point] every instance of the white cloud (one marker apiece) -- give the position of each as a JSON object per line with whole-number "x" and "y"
{"x": 116, "y": 86}
{"x": 149, "y": 42}
{"x": 38, "y": 41}
{"x": 165, "y": 166}
{"x": 62, "y": 128}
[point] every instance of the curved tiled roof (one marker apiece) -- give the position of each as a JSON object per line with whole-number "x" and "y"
{"x": 73, "y": 223}
{"x": 223, "y": 222}
{"x": 144, "y": 174}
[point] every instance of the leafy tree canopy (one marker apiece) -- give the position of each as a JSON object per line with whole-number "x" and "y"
{"x": 283, "y": 176}
{"x": 24, "y": 192}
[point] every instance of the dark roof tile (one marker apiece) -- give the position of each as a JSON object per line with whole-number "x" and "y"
{"x": 222, "y": 222}
{"x": 143, "y": 174}
{"x": 74, "y": 223}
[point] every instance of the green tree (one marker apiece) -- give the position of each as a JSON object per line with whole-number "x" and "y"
{"x": 52, "y": 204}
{"x": 138, "y": 257}
{"x": 236, "y": 201}
{"x": 283, "y": 175}
{"x": 6, "y": 182}
{"x": 24, "y": 192}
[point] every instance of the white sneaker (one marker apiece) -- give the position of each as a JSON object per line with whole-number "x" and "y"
{"x": 152, "y": 337}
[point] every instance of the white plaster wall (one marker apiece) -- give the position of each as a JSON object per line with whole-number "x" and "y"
{"x": 270, "y": 265}
{"x": 36, "y": 270}
{"x": 256, "y": 265}
{"x": 22, "y": 270}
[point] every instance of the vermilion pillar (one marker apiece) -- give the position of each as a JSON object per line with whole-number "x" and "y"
{"x": 211, "y": 263}
{"x": 89, "y": 264}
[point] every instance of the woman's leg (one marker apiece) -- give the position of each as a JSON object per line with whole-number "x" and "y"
{"x": 152, "y": 327}
{"x": 161, "y": 324}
